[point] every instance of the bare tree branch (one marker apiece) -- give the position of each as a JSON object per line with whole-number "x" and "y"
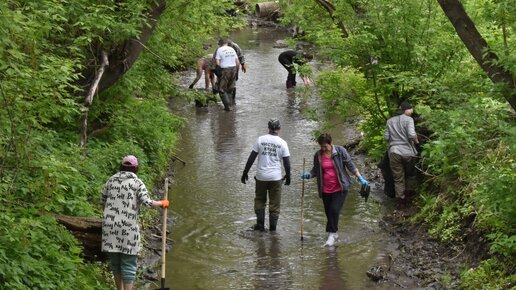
{"x": 89, "y": 98}
{"x": 123, "y": 56}
{"x": 331, "y": 10}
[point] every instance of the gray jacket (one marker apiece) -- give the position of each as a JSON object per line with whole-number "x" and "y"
{"x": 341, "y": 160}
{"x": 400, "y": 133}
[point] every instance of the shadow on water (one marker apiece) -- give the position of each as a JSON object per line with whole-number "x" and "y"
{"x": 214, "y": 248}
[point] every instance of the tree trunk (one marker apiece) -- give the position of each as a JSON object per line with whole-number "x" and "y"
{"x": 89, "y": 98}
{"x": 124, "y": 56}
{"x": 88, "y": 231}
{"x": 478, "y": 47}
{"x": 328, "y": 6}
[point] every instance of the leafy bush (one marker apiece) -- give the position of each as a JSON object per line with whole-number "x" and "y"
{"x": 45, "y": 49}
{"x": 32, "y": 255}
{"x": 490, "y": 274}
{"x": 469, "y": 158}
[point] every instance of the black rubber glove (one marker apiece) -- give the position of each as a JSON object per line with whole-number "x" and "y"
{"x": 244, "y": 177}
{"x": 287, "y": 179}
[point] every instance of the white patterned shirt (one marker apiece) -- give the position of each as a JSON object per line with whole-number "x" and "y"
{"x": 122, "y": 196}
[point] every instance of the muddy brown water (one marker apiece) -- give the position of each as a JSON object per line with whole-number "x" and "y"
{"x": 213, "y": 210}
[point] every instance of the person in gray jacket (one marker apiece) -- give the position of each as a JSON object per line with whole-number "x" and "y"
{"x": 333, "y": 181}
{"x": 401, "y": 134}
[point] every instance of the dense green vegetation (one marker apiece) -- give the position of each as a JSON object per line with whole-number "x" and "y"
{"x": 382, "y": 51}
{"x": 47, "y": 49}
{"x": 386, "y": 51}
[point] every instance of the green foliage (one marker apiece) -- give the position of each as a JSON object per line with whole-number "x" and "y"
{"x": 31, "y": 256}
{"x": 499, "y": 32}
{"x": 345, "y": 90}
{"x": 407, "y": 50}
{"x": 45, "y": 48}
{"x": 492, "y": 273}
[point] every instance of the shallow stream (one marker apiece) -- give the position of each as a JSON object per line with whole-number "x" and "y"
{"x": 213, "y": 210}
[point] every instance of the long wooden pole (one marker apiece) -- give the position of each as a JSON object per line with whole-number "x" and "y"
{"x": 302, "y": 198}
{"x": 164, "y": 237}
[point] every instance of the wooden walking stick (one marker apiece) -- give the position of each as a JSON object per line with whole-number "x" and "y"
{"x": 164, "y": 239}
{"x": 302, "y": 198}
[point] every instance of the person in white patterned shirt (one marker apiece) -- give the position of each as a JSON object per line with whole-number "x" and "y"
{"x": 122, "y": 196}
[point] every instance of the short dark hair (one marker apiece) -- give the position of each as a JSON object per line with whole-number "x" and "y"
{"x": 222, "y": 41}
{"x": 324, "y": 138}
{"x": 405, "y": 106}
{"x": 274, "y": 124}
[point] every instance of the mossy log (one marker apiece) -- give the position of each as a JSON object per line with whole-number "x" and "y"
{"x": 88, "y": 231}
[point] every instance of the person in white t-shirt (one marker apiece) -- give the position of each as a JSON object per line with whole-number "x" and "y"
{"x": 271, "y": 150}
{"x": 227, "y": 59}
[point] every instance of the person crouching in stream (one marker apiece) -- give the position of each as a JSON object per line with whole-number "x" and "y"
{"x": 122, "y": 196}
{"x": 288, "y": 59}
{"x": 203, "y": 65}
{"x": 333, "y": 181}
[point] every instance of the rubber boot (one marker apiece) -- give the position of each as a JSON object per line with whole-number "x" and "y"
{"x": 233, "y": 97}
{"x": 273, "y": 221}
{"x": 225, "y": 100}
{"x": 260, "y": 220}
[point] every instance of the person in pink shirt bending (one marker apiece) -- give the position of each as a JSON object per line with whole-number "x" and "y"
{"x": 333, "y": 181}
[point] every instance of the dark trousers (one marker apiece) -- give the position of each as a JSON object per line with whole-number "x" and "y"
{"x": 272, "y": 189}
{"x": 332, "y": 205}
{"x": 289, "y": 66}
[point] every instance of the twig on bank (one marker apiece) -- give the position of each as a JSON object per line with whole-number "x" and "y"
{"x": 177, "y": 158}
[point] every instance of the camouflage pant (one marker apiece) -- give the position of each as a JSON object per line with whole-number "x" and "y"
{"x": 227, "y": 81}
{"x": 403, "y": 172}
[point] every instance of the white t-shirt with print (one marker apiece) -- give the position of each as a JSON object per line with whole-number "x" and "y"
{"x": 271, "y": 149}
{"x": 227, "y": 56}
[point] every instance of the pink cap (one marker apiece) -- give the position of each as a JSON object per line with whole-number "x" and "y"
{"x": 130, "y": 160}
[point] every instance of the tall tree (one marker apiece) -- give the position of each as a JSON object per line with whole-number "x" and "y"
{"x": 478, "y": 47}
{"x": 122, "y": 58}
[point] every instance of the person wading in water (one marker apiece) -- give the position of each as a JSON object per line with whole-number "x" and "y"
{"x": 271, "y": 150}
{"x": 333, "y": 181}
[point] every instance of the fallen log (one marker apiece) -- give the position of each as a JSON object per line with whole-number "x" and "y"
{"x": 88, "y": 231}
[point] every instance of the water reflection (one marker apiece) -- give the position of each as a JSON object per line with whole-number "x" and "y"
{"x": 223, "y": 126}
{"x": 271, "y": 272}
{"x": 331, "y": 275}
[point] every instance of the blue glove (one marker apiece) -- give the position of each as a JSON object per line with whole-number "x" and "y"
{"x": 306, "y": 175}
{"x": 362, "y": 181}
